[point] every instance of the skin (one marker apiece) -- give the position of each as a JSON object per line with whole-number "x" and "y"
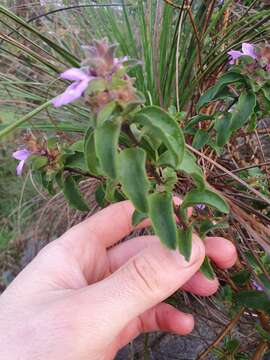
{"x": 85, "y": 295}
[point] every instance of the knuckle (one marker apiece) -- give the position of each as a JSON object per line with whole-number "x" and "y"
{"x": 146, "y": 274}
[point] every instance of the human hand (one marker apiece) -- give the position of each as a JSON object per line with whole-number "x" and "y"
{"x": 82, "y": 299}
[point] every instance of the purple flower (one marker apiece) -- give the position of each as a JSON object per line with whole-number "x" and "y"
{"x": 200, "y": 206}
{"x": 76, "y": 89}
{"x": 247, "y": 50}
{"x": 120, "y": 61}
{"x": 21, "y": 155}
{"x": 257, "y": 286}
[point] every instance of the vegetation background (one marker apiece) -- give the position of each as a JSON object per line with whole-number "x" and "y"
{"x": 183, "y": 48}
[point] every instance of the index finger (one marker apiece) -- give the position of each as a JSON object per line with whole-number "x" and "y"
{"x": 110, "y": 225}
{"x": 107, "y": 226}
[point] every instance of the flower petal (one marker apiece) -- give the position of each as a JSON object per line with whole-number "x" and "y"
{"x": 72, "y": 93}
{"x": 248, "y": 49}
{"x": 74, "y": 74}
{"x": 120, "y": 61}
{"x": 21, "y": 154}
{"x": 235, "y": 54}
{"x": 19, "y": 167}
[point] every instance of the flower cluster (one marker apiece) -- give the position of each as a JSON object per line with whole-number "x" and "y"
{"x": 102, "y": 77}
{"x": 40, "y": 151}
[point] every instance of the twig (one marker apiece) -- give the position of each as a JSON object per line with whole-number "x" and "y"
{"x": 177, "y": 60}
{"x": 80, "y": 172}
{"x": 240, "y": 181}
{"x": 260, "y": 351}
{"x": 243, "y": 168}
{"x": 179, "y": 7}
{"x": 226, "y": 330}
{"x": 197, "y": 36}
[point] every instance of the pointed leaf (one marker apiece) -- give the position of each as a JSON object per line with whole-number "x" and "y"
{"x": 206, "y": 197}
{"x": 77, "y": 146}
{"x": 219, "y": 90}
{"x": 200, "y": 139}
{"x": 207, "y": 269}
{"x": 106, "y": 144}
{"x": 188, "y": 166}
{"x": 162, "y": 217}
{"x": 244, "y": 110}
{"x": 110, "y": 190}
{"x": 100, "y": 195}
{"x": 208, "y": 225}
{"x": 223, "y": 128}
{"x": 76, "y": 161}
{"x": 138, "y": 217}
{"x": 185, "y": 242}
{"x": 133, "y": 177}
{"x": 105, "y": 113}
{"x": 196, "y": 120}
{"x": 253, "y": 299}
{"x": 73, "y": 194}
{"x": 165, "y": 128}
{"x": 38, "y": 162}
{"x": 90, "y": 156}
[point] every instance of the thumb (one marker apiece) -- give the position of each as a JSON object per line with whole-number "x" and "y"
{"x": 144, "y": 281}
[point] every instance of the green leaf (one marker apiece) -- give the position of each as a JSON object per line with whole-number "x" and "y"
{"x": 196, "y": 120}
{"x": 105, "y": 113}
{"x": 138, "y": 217}
{"x": 73, "y": 195}
{"x": 185, "y": 241}
{"x": 218, "y": 91}
{"x": 169, "y": 177}
{"x": 165, "y": 128}
{"x": 162, "y": 217}
{"x": 133, "y": 177}
{"x": 207, "y": 269}
{"x": 244, "y": 110}
{"x": 200, "y": 139}
{"x": 52, "y": 142}
{"x": 223, "y": 128}
{"x": 206, "y": 197}
{"x": 253, "y": 299}
{"x": 241, "y": 277}
{"x": 38, "y": 162}
{"x": 100, "y": 195}
{"x": 110, "y": 190}
{"x": 106, "y": 144}
{"x": 77, "y": 146}
{"x": 208, "y": 225}
{"x": 76, "y": 161}
{"x": 188, "y": 166}
{"x": 263, "y": 332}
{"x": 232, "y": 346}
{"x": 96, "y": 85}
{"x": 90, "y": 156}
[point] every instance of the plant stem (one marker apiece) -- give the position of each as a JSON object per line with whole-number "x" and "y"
{"x": 226, "y": 330}
{"x": 25, "y": 118}
{"x": 145, "y": 349}
{"x": 260, "y": 351}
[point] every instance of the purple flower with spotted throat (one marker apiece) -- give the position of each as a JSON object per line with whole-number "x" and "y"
{"x": 22, "y": 156}
{"x": 247, "y": 50}
{"x": 76, "y": 89}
